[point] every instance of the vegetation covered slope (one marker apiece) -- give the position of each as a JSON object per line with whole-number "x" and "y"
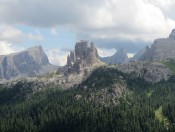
{"x": 92, "y": 106}
{"x": 170, "y": 64}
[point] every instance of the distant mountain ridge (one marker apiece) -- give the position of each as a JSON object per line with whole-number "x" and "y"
{"x": 161, "y": 49}
{"x": 120, "y": 57}
{"x": 32, "y": 61}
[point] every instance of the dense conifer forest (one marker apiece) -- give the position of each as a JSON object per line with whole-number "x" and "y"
{"x": 145, "y": 108}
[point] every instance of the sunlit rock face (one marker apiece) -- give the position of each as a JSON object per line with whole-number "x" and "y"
{"x": 32, "y": 61}
{"x": 161, "y": 49}
{"x": 84, "y": 55}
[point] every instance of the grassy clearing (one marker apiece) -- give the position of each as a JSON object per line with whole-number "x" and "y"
{"x": 149, "y": 93}
{"x": 162, "y": 119}
{"x": 170, "y": 64}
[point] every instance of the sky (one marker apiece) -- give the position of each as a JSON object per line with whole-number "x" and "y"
{"x": 58, "y": 24}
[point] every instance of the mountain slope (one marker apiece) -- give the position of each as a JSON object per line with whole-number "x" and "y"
{"x": 90, "y": 106}
{"x": 150, "y": 71}
{"x": 161, "y": 49}
{"x": 32, "y": 61}
{"x": 120, "y": 57}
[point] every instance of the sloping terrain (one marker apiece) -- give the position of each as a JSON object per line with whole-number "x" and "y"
{"x": 151, "y": 71}
{"x": 30, "y": 62}
{"x": 108, "y": 100}
{"x": 162, "y": 49}
{"x": 120, "y": 57}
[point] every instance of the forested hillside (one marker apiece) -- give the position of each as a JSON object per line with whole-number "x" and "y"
{"x": 93, "y": 106}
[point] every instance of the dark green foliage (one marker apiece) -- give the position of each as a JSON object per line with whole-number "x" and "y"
{"x": 55, "y": 110}
{"x": 14, "y": 94}
{"x": 170, "y": 64}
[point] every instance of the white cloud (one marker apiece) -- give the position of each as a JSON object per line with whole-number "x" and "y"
{"x": 6, "y": 48}
{"x": 37, "y": 37}
{"x": 13, "y": 35}
{"x": 57, "y": 56}
{"x": 152, "y": 21}
{"x": 11, "y": 39}
{"x": 54, "y": 32}
{"x": 132, "y": 20}
{"x": 10, "y": 34}
{"x": 109, "y": 52}
{"x": 163, "y": 4}
{"x": 141, "y": 20}
{"x": 106, "y": 52}
{"x": 130, "y": 55}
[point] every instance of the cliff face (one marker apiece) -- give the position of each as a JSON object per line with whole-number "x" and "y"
{"x": 120, "y": 57}
{"x": 172, "y": 35}
{"x": 85, "y": 55}
{"x": 161, "y": 49}
{"x": 32, "y": 61}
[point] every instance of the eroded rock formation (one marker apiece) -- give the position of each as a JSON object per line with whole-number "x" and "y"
{"x": 85, "y": 55}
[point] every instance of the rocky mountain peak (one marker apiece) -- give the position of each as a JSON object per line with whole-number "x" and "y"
{"x": 120, "y": 57}
{"x": 30, "y": 62}
{"x": 85, "y": 54}
{"x": 37, "y": 47}
{"x": 172, "y": 35}
{"x": 161, "y": 49}
{"x": 122, "y": 52}
{"x": 38, "y": 54}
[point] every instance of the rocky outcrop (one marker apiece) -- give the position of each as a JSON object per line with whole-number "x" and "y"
{"x": 151, "y": 71}
{"x": 120, "y": 57}
{"x": 85, "y": 55}
{"x": 172, "y": 35}
{"x": 30, "y": 62}
{"x": 161, "y": 49}
{"x": 138, "y": 55}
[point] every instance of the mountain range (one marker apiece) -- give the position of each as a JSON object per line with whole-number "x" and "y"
{"x": 33, "y": 61}
{"x": 160, "y": 50}
{"x": 89, "y": 93}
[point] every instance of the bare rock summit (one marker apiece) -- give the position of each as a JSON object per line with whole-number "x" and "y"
{"x": 162, "y": 49}
{"x": 120, "y": 57}
{"x": 84, "y": 55}
{"x": 30, "y": 62}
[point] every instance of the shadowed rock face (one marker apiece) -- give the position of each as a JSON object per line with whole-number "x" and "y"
{"x": 172, "y": 35}
{"x": 162, "y": 49}
{"x": 85, "y": 55}
{"x": 120, "y": 57}
{"x": 30, "y": 62}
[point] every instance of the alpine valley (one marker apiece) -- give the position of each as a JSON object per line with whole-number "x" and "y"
{"x": 90, "y": 93}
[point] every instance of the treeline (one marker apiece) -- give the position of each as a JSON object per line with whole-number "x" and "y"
{"x": 56, "y": 110}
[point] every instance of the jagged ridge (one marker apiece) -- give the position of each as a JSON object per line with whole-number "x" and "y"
{"x": 119, "y": 57}
{"x": 161, "y": 49}
{"x": 29, "y": 62}
{"x": 85, "y": 54}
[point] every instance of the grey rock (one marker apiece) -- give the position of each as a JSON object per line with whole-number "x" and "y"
{"x": 120, "y": 57}
{"x": 151, "y": 71}
{"x": 138, "y": 55}
{"x": 85, "y": 55}
{"x": 161, "y": 49}
{"x": 30, "y": 62}
{"x": 172, "y": 35}
{"x": 109, "y": 96}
